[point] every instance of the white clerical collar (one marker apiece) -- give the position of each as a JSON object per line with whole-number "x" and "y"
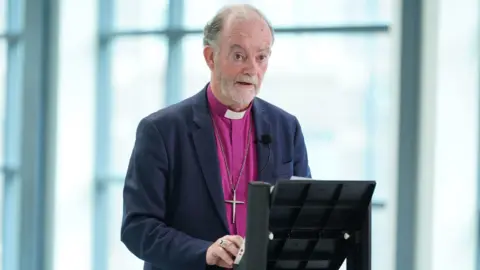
{"x": 234, "y": 115}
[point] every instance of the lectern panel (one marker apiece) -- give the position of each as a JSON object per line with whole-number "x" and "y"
{"x": 311, "y": 224}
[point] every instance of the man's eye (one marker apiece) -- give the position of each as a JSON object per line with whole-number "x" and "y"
{"x": 262, "y": 57}
{"x": 238, "y": 56}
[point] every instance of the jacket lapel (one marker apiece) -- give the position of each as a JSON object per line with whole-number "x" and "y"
{"x": 264, "y": 151}
{"x": 206, "y": 149}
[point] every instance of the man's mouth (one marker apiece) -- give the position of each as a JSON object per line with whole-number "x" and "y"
{"x": 245, "y": 83}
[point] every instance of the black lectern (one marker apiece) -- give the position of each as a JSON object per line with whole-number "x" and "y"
{"x": 308, "y": 224}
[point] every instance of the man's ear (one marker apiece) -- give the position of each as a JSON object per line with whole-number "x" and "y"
{"x": 208, "y": 54}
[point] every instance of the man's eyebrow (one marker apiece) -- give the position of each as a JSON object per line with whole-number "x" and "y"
{"x": 236, "y": 46}
{"x": 267, "y": 49}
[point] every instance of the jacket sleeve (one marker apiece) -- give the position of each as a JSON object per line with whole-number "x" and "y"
{"x": 144, "y": 230}
{"x": 300, "y": 160}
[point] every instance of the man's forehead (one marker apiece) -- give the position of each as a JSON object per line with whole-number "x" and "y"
{"x": 240, "y": 32}
{"x": 245, "y": 21}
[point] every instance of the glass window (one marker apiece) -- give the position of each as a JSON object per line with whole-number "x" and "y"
{"x": 2, "y": 199}
{"x": 3, "y": 92}
{"x": 3, "y": 82}
{"x": 294, "y": 13}
{"x": 3, "y": 15}
{"x": 138, "y": 79}
{"x": 140, "y": 14}
{"x": 196, "y": 72}
{"x": 75, "y": 142}
{"x": 339, "y": 88}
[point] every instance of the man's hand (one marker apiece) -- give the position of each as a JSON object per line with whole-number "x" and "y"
{"x": 223, "y": 251}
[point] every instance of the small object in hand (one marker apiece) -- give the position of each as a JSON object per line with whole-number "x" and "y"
{"x": 239, "y": 256}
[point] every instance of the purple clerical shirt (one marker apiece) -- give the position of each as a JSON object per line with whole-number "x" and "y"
{"x": 233, "y": 133}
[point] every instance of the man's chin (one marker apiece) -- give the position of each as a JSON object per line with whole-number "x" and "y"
{"x": 243, "y": 101}
{"x": 244, "y": 90}
{"x": 241, "y": 97}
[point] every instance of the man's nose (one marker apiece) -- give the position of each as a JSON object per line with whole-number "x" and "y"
{"x": 251, "y": 67}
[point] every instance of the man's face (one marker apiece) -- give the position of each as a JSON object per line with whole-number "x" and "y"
{"x": 242, "y": 59}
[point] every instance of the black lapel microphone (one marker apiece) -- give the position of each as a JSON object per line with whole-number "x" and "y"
{"x": 266, "y": 140}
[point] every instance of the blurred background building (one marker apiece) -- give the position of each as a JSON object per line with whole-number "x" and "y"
{"x": 384, "y": 89}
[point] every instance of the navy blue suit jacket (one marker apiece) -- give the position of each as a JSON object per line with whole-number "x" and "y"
{"x": 173, "y": 198}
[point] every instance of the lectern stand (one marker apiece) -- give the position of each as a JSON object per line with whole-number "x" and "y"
{"x": 308, "y": 224}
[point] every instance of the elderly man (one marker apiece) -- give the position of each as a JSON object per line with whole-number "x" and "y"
{"x": 185, "y": 194}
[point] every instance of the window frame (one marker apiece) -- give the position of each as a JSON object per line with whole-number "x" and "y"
{"x": 11, "y": 141}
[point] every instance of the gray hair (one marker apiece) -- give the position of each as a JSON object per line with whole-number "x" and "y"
{"x": 213, "y": 28}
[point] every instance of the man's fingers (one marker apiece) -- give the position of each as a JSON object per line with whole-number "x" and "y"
{"x": 226, "y": 249}
{"x": 231, "y": 248}
{"x": 224, "y": 264}
{"x": 223, "y": 256}
{"x": 236, "y": 239}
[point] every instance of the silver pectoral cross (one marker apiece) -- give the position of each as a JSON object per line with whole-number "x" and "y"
{"x": 234, "y": 203}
